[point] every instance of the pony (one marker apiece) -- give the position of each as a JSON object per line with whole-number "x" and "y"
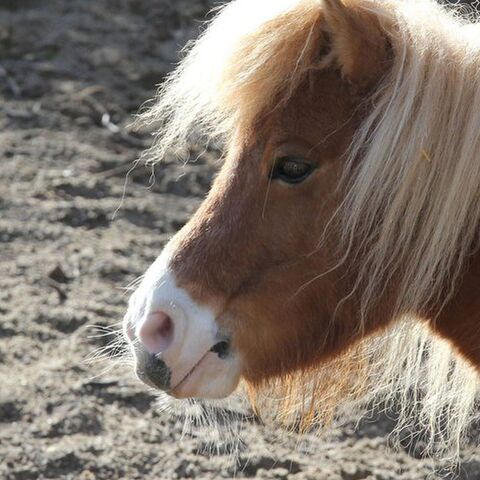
{"x": 335, "y": 260}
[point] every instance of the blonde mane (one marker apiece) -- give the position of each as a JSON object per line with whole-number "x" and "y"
{"x": 413, "y": 199}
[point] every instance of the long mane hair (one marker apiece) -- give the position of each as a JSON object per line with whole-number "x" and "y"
{"x": 413, "y": 199}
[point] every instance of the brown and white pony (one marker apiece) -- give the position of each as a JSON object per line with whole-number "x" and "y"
{"x": 335, "y": 258}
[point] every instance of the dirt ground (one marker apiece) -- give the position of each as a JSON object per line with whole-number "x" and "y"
{"x": 72, "y": 73}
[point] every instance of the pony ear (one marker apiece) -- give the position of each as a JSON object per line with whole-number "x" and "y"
{"x": 359, "y": 43}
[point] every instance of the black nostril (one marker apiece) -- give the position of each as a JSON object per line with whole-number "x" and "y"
{"x": 152, "y": 370}
{"x": 221, "y": 349}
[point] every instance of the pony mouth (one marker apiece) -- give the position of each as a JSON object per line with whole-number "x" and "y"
{"x": 185, "y": 379}
{"x": 189, "y": 382}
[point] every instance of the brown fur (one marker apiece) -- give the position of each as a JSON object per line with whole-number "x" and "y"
{"x": 459, "y": 321}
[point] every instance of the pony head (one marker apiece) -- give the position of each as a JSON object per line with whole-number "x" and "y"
{"x": 338, "y": 211}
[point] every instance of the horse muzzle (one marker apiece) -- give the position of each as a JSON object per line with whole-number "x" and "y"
{"x": 177, "y": 343}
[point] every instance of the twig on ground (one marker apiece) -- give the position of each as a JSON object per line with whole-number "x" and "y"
{"x": 87, "y": 95}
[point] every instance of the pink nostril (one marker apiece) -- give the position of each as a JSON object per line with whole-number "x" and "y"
{"x": 156, "y": 333}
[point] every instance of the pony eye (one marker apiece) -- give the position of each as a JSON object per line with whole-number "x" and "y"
{"x": 291, "y": 169}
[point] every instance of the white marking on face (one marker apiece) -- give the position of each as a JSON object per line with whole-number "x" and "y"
{"x": 195, "y": 370}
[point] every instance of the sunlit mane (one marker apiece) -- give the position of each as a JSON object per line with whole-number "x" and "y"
{"x": 235, "y": 71}
{"x": 413, "y": 199}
